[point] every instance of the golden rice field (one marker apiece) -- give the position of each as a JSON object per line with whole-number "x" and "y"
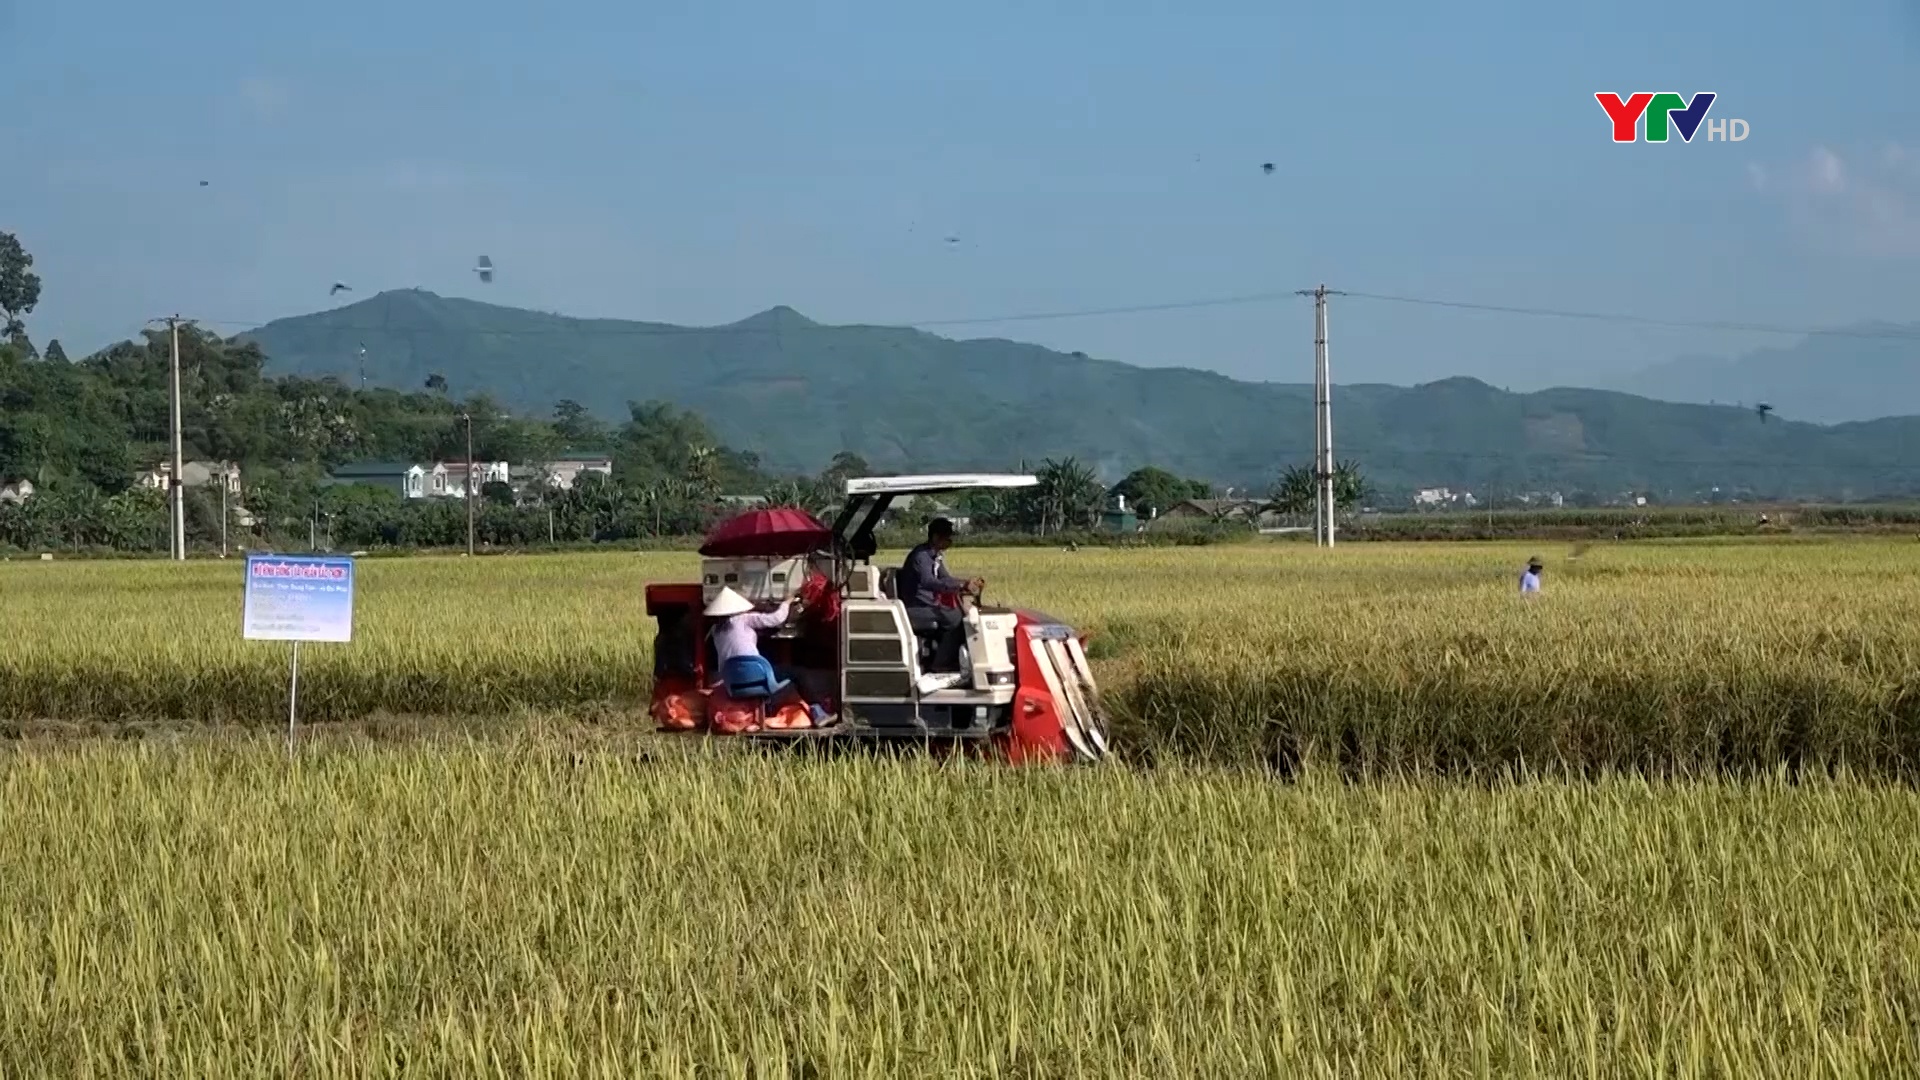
{"x": 209, "y": 909}
{"x": 1684, "y": 656}
{"x": 569, "y": 897}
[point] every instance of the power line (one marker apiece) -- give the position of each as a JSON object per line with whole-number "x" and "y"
{"x": 1641, "y": 320}
{"x": 1129, "y": 309}
{"x": 584, "y": 326}
{"x": 594, "y": 327}
{"x": 1403, "y": 457}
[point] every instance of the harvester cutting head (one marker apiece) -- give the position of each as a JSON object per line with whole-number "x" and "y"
{"x": 1058, "y": 707}
{"x": 1024, "y": 686}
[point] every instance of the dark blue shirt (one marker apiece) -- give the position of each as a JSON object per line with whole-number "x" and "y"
{"x": 924, "y": 577}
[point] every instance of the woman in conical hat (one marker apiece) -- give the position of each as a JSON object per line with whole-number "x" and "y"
{"x": 1530, "y": 578}
{"x": 737, "y": 627}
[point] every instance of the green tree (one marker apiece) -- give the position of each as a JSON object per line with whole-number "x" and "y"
{"x": 1293, "y": 493}
{"x": 1297, "y": 493}
{"x": 578, "y": 428}
{"x": 55, "y": 354}
{"x": 129, "y": 521}
{"x": 282, "y": 498}
{"x": 19, "y": 286}
{"x": 315, "y": 425}
{"x": 103, "y": 461}
{"x": 1069, "y": 496}
{"x": 1152, "y": 490}
{"x": 999, "y": 511}
{"x": 1350, "y": 486}
{"x": 701, "y": 474}
{"x": 847, "y": 464}
{"x": 660, "y": 442}
{"x": 816, "y": 497}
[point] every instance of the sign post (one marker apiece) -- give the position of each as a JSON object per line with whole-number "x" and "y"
{"x": 297, "y": 598}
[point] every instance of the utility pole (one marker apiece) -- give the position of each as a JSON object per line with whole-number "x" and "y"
{"x": 468, "y": 417}
{"x": 226, "y": 477}
{"x": 176, "y": 483}
{"x": 1322, "y": 420}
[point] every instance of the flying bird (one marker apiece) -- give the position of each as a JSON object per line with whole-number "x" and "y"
{"x": 203, "y": 183}
{"x": 1267, "y": 168}
{"x": 339, "y": 287}
{"x": 953, "y": 239}
{"x": 485, "y": 269}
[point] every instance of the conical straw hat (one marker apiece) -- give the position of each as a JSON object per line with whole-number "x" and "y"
{"x": 728, "y": 603}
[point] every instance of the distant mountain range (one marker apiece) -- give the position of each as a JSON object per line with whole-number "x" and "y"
{"x": 1856, "y": 373}
{"x": 796, "y": 392}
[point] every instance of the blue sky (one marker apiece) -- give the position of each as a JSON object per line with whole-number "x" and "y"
{"x": 697, "y": 162}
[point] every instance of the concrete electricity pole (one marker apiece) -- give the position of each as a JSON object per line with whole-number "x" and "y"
{"x": 468, "y": 417}
{"x": 176, "y": 481}
{"x": 1323, "y": 504}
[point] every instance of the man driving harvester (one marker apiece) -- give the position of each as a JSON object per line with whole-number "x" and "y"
{"x": 920, "y": 584}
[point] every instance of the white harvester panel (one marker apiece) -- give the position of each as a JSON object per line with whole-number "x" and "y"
{"x": 759, "y": 580}
{"x": 991, "y": 659}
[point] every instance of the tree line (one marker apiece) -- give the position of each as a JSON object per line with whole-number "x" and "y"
{"x": 82, "y": 431}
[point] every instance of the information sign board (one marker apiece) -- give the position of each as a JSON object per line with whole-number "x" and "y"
{"x": 298, "y": 598}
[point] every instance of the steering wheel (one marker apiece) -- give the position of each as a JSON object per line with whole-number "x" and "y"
{"x": 970, "y": 601}
{"x": 959, "y": 600}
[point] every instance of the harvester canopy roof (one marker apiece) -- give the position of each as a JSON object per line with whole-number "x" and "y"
{"x": 869, "y": 497}
{"x": 934, "y": 485}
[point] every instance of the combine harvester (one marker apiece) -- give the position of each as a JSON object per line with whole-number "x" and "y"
{"x": 1025, "y": 690}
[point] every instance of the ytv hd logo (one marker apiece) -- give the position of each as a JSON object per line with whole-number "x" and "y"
{"x": 1665, "y": 111}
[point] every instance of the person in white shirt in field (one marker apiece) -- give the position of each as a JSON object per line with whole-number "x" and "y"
{"x": 1530, "y": 579}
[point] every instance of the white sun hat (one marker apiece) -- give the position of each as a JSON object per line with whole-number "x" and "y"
{"x": 727, "y": 604}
